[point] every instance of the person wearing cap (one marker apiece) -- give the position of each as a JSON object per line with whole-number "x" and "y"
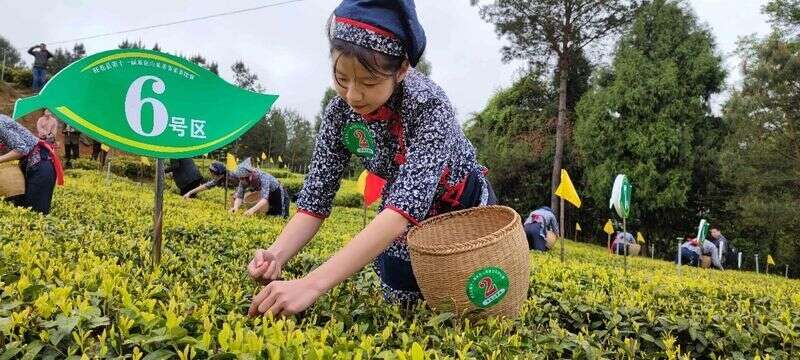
{"x": 185, "y": 174}
{"x": 37, "y": 160}
{"x": 692, "y": 250}
{"x": 621, "y": 240}
{"x": 41, "y": 56}
{"x": 403, "y": 127}
{"x": 218, "y": 170}
{"x": 273, "y": 196}
{"x": 537, "y": 225}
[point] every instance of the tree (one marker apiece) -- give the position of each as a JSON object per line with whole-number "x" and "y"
{"x": 761, "y": 156}
{"x": 326, "y": 98}
{"x": 78, "y": 51}
{"x": 200, "y": 60}
{"x": 63, "y": 57}
{"x": 10, "y": 52}
{"x": 538, "y": 30}
{"x": 156, "y": 47}
{"x": 649, "y": 117}
{"x": 244, "y": 79}
{"x": 300, "y": 143}
{"x": 127, "y": 44}
{"x": 512, "y": 136}
{"x": 784, "y": 14}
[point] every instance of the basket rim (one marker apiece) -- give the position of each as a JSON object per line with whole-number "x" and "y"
{"x": 471, "y": 245}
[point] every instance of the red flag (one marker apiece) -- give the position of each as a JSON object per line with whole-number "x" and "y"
{"x": 370, "y": 186}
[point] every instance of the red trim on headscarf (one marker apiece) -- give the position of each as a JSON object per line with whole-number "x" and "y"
{"x": 366, "y": 26}
{"x": 56, "y": 162}
{"x": 312, "y": 214}
{"x": 402, "y": 212}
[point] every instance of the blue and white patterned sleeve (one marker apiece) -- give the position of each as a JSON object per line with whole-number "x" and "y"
{"x": 327, "y": 163}
{"x": 268, "y": 184}
{"x": 239, "y": 194}
{"x": 15, "y": 136}
{"x": 430, "y": 141}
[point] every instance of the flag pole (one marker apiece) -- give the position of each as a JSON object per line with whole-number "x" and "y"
{"x": 562, "y": 229}
{"x": 365, "y": 212}
{"x": 225, "y": 193}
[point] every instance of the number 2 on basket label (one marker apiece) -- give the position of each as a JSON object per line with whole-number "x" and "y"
{"x": 487, "y": 287}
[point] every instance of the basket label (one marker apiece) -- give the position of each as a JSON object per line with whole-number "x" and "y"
{"x": 487, "y": 287}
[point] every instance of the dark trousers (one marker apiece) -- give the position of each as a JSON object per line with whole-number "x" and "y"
{"x": 536, "y": 241}
{"x": 192, "y": 185}
{"x": 279, "y": 203}
{"x": 72, "y": 151}
{"x": 39, "y": 78}
{"x": 40, "y": 181}
{"x": 689, "y": 257}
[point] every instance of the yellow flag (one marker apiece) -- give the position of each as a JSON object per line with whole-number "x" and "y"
{"x": 769, "y": 260}
{"x": 639, "y": 237}
{"x": 567, "y": 191}
{"x": 578, "y": 227}
{"x": 230, "y": 162}
{"x": 279, "y": 159}
{"x": 263, "y": 156}
{"x": 270, "y": 160}
{"x": 361, "y": 184}
{"x": 609, "y": 228}
{"x": 144, "y": 160}
{"x": 105, "y": 147}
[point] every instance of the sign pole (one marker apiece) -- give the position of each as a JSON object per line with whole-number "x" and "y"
{"x": 158, "y": 212}
{"x": 740, "y": 260}
{"x": 624, "y": 233}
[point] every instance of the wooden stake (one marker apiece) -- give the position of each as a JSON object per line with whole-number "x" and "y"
{"x": 158, "y": 212}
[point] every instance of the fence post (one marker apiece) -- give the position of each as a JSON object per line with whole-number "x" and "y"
{"x": 3, "y": 69}
{"x": 758, "y": 271}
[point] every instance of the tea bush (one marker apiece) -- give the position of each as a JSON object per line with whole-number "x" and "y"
{"x": 79, "y": 283}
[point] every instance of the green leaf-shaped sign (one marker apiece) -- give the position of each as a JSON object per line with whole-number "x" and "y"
{"x": 702, "y": 231}
{"x": 621, "y": 196}
{"x": 149, "y": 103}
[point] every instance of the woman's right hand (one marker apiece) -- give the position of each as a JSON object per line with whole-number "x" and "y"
{"x": 264, "y": 267}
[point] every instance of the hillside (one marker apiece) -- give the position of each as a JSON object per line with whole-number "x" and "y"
{"x": 79, "y": 282}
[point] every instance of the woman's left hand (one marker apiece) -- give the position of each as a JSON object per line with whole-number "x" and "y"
{"x": 284, "y": 298}
{"x": 249, "y": 212}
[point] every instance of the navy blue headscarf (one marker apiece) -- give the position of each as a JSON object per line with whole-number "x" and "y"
{"x": 387, "y": 26}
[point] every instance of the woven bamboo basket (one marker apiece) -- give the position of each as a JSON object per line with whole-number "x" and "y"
{"x": 705, "y": 261}
{"x": 472, "y": 262}
{"x": 550, "y": 239}
{"x": 12, "y": 182}
{"x": 634, "y": 249}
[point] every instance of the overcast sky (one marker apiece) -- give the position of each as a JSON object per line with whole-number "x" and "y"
{"x": 286, "y": 46}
